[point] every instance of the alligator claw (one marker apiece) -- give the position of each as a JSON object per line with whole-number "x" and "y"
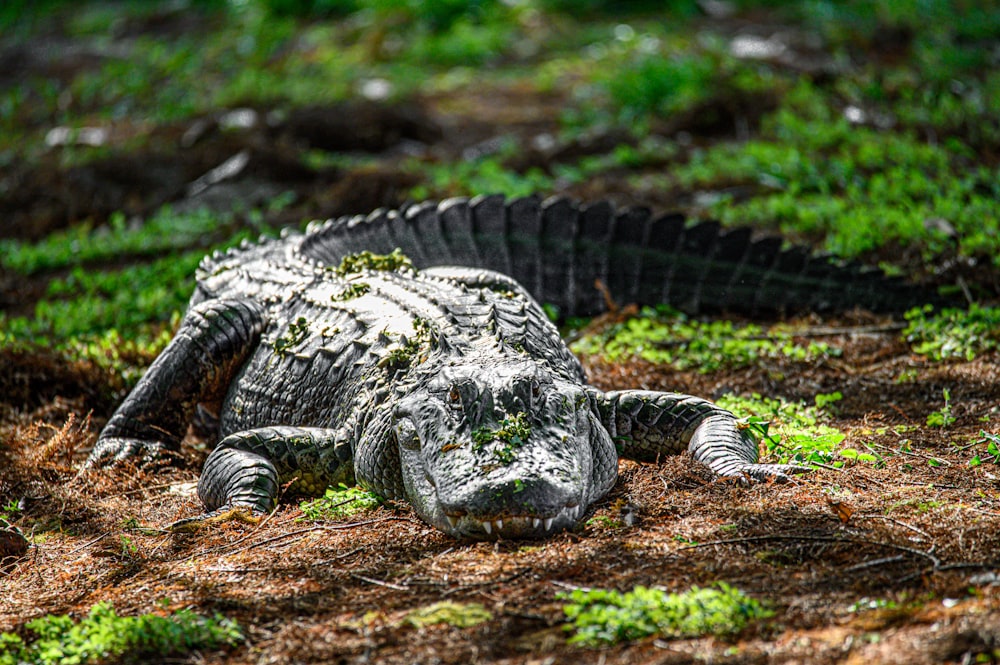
{"x": 772, "y": 472}
{"x": 115, "y": 450}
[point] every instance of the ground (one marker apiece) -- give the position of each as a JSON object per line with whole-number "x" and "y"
{"x": 886, "y": 558}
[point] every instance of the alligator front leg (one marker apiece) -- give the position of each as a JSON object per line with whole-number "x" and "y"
{"x": 213, "y": 341}
{"x": 243, "y": 475}
{"x": 647, "y": 424}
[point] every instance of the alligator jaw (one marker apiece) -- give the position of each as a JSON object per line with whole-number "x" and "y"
{"x": 513, "y": 526}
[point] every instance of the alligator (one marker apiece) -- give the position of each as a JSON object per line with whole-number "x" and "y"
{"x": 406, "y": 351}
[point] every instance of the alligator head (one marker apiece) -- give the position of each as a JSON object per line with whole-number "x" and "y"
{"x": 509, "y": 451}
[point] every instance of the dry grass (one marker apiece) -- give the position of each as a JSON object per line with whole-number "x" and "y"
{"x": 920, "y": 538}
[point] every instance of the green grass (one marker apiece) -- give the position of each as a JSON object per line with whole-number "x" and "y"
{"x": 953, "y": 332}
{"x": 164, "y": 231}
{"x": 600, "y": 617}
{"x": 87, "y": 302}
{"x": 103, "y": 635}
{"x": 116, "y": 318}
{"x": 855, "y": 188}
{"x": 475, "y": 176}
{"x": 250, "y": 53}
{"x": 665, "y": 336}
{"x": 813, "y": 174}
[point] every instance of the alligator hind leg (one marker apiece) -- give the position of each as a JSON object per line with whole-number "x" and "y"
{"x": 213, "y": 341}
{"x": 243, "y": 475}
{"x": 647, "y": 424}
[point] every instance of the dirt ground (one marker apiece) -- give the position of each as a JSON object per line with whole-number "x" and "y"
{"x": 923, "y": 537}
{"x": 895, "y": 563}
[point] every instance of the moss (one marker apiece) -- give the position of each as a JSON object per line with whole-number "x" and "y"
{"x": 512, "y": 434}
{"x": 297, "y": 332}
{"x": 459, "y": 615}
{"x": 361, "y": 261}
{"x": 601, "y": 616}
{"x": 355, "y": 290}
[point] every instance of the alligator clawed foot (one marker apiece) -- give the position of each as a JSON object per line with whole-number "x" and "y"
{"x": 113, "y": 451}
{"x": 244, "y": 514}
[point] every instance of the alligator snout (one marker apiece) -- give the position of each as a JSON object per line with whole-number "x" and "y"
{"x": 518, "y": 508}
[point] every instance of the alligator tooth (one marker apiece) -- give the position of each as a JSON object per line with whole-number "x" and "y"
{"x": 488, "y": 526}
{"x": 548, "y": 522}
{"x": 499, "y": 524}
{"x": 453, "y": 521}
{"x": 536, "y": 522}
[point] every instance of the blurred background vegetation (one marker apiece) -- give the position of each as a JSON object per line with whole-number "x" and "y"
{"x": 137, "y": 135}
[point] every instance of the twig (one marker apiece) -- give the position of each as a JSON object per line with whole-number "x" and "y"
{"x": 828, "y": 467}
{"x": 897, "y": 523}
{"x": 873, "y": 563}
{"x": 372, "y": 580}
{"x": 89, "y": 543}
{"x": 994, "y": 565}
{"x": 822, "y": 539}
{"x": 911, "y": 453}
{"x": 937, "y": 486}
{"x": 476, "y": 585}
{"x": 272, "y": 569}
{"x": 311, "y": 529}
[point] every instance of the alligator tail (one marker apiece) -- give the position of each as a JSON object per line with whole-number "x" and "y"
{"x": 576, "y": 256}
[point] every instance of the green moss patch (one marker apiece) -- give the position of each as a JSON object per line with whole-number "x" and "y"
{"x": 599, "y": 617}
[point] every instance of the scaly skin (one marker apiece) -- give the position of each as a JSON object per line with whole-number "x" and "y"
{"x": 447, "y": 387}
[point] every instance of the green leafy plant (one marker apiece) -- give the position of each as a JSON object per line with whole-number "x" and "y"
{"x": 103, "y": 635}
{"x": 660, "y": 85}
{"x": 992, "y": 452}
{"x": 793, "y": 432}
{"x": 599, "y": 616}
{"x": 354, "y": 290}
{"x": 942, "y": 417}
{"x": 341, "y": 501}
{"x": 953, "y": 332}
{"x": 298, "y": 331}
{"x": 10, "y": 511}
